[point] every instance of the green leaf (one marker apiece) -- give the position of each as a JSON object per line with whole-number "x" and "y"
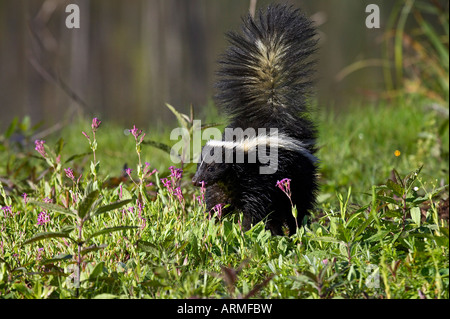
{"x": 23, "y": 289}
{"x": 86, "y": 204}
{"x": 54, "y": 207}
{"x": 416, "y": 215}
{"x": 110, "y": 207}
{"x": 25, "y": 125}
{"x": 8, "y": 267}
{"x": 282, "y": 246}
{"x": 362, "y": 227}
{"x": 164, "y": 147}
{"x": 67, "y": 229}
{"x": 92, "y": 248}
{"x": 444, "y": 126}
{"x": 147, "y": 246}
{"x": 436, "y": 40}
{"x": 57, "y": 258}
{"x": 327, "y": 239}
{"x": 106, "y": 296}
{"x": 77, "y": 156}
{"x": 411, "y": 177}
{"x": 387, "y": 199}
{"x": 152, "y": 283}
{"x": 12, "y": 127}
{"x": 437, "y": 191}
{"x": 396, "y": 188}
{"x": 343, "y": 234}
{"x": 47, "y": 235}
{"x": 355, "y": 216}
{"x": 294, "y": 212}
{"x": 97, "y": 271}
{"x": 378, "y": 236}
{"x": 419, "y": 200}
{"x": 182, "y": 247}
{"x": 109, "y": 230}
{"x": 180, "y": 117}
{"x": 444, "y": 231}
{"x": 309, "y": 275}
{"x": 161, "y": 272}
{"x": 59, "y": 146}
{"x": 95, "y": 168}
{"x": 394, "y": 213}
{"x": 397, "y": 177}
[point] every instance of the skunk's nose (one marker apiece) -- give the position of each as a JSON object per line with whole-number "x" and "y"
{"x": 196, "y": 181}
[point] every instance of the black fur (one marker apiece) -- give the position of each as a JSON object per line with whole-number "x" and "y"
{"x": 264, "y": 81}
{"x": 242, "y": 187}
{"x": 254, "y": 91}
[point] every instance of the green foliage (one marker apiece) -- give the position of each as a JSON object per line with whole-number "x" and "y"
{"x": 378, "y": 231}
{"x": 187, "y": 127}
{"x": 420, "y": 56}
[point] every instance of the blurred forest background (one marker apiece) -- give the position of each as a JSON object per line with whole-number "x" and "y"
{"x": 129, "y": 58}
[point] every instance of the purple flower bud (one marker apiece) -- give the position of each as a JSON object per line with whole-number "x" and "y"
{"x": 7, "y": 209}
{"x": 95, "y": 124}
{"x": 69, "y": 173}
{"x": 136, "y": 132}
{"x": 167, "y": 183}
{"x": 218, "y": 209}
{"x": 176, "y": 173}
{"x": 43, "y": 218}
{"x": 285, "y": 186}
{"x": 85, "y": 135}
{"x": 142, "y": 138}
{"x": 179, "y": 194}
{"x": 40, "y": 147}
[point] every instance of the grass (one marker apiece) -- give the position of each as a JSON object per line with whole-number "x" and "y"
{"x": 376, "y": 233}
{"x": 359, "y": 148}
{"x": 380, "y": 229}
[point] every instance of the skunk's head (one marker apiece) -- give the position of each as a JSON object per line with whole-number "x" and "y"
{"x": 212, "y": 166}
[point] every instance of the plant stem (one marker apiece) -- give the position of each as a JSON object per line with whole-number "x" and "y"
{"x": 80, "y": 244}
{"x": 404, "y": 210}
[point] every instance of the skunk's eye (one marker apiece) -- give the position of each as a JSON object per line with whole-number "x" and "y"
{"x": 211, "y": 168}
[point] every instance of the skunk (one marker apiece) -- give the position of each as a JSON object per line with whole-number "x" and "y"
{"x": 265, "y": 79}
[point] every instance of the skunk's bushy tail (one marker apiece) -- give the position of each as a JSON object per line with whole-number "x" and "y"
{"x": 265, "y": 76}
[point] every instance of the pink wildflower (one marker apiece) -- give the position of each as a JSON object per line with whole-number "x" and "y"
{"x": 128, "y": 171}
{"x": 40, "y": 147}
{"x": 43, "y": 218}
{"x": 285, "y": 186}
{"x": 95, "y": 124}
{"x": 69, "y": 173}
{"x": 136, "y": 133}
{"x": 85, "y": 135}
{"x": 179, "y": 194}
{"x": 218, "y": 210}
